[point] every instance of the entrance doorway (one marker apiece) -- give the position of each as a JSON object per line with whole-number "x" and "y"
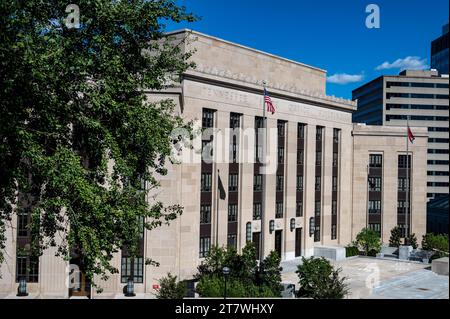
{"x": 256, "y": 238}
{"x": 298, "y": 242}
{"x": 79, "y": 284}
{"x": 278, "y": 241}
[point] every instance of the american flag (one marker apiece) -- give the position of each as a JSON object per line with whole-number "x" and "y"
{"x": 268, "y": 101}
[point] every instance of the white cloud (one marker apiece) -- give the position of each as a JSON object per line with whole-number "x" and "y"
{"x": 408, "y": 63}
{"x": 344, "y": 78}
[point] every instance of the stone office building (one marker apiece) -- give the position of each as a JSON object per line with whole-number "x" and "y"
{"x": 317, "y": 195}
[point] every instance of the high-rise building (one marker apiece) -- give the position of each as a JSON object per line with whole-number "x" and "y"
{"x": 439, "y": 52}
{"x": 422, "y": 99}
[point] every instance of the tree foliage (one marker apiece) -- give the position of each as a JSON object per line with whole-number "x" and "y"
{"x": 319, "y": 280}
{"x": 395, "y": 240}
{"x": 246, "y": 278}
{"x": 170, "y": 288}
{"x": 438, "y": 243}
{"x": 73, "y": 101}
{"x": 368, "y": 241}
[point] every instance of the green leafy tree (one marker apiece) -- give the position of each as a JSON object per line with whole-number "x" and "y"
{"x": 396, "y": 237}
{"x": 437, "y": 243}
{"x": 270, "y": 272}
{"x": 412, "y": 240}
{"x": 170, "y": 288}
{"x": 368, "y": 241}
{"x": 319, "y": 280}
{"x": 72, "y": 102}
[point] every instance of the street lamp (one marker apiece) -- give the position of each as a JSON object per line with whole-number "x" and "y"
{"x": 226, "y": 272}
{"x": 22, "y": 289}
{"x": 248, "y": 231}
{"x": 292, "y": 224}
{"x": 311, "y": 226}
{"x": 271, "y": 226}
{"x": 130, "y": 288}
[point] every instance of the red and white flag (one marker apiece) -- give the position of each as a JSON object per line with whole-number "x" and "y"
{"x": 268, "y": 101}
{"x": 411, "y": 137}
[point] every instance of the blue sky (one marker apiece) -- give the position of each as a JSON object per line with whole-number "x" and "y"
{"x": 328, "y": 34}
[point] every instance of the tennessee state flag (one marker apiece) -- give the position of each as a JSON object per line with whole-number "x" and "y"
{"x": 410, "y": 135}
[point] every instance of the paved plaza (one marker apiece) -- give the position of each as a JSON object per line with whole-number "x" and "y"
{"x": 372, "y": 278}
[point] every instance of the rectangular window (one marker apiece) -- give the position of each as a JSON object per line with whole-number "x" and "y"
{"x": 319, "y": 133}
{"x": 232, "y": 212}
{"x": 375, "y": 160}
{"x": 318, "y": 158}
{"x": 27, "y": 267}
{"x": 402, "y": 184}
{"x": 257, "y": 211}
{"x": 375, "y": 184}
{"x": 374, "y": 207}
{"x": 235, "y": 120}
{"x": 205, "y": 214}
{"x": 299, "y": 183}
{"x": 205, "y": 182}
{"x": 207, "y": 118}
{"x": 279, "y": 210}
{"x": 333, "y": 231}
{"x": 402, "y": 161}
{"x": 301, "y": 131}
{"x": 336, "y": 135}
{"x": 257, "y": 183}
{"x": 375, "y": 227}
{"x": 401, "y": 207}
{"x": 132, "y": 267}
{"x": 299, "y": 209}
{"x": 280, "y": 183}
{"x": 232, "y": 241}
{"x": 317, "y": 185}
{"x": 335, "y": 159}
{"x": 22, "y": 223}
{"x": 205, "y": 245}
{"x": 300, "y": 156}
{"x": 233, "y": 182}
{"x": 317, "y": 208}
{"x": 333, "y": 207}
{"x": 281, "y": 127}
{"x": 281, "y": 155}
{"x": 334, "y": 183}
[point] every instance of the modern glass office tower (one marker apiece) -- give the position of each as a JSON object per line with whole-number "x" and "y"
{"x": 439, "y": 52}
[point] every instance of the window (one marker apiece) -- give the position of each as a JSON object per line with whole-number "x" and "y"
{"x": 233, "y": 182}
{"x": 205, "y": 245}
{"x": 299, "y": 209}
{"x": 319, "y": 133}
{"x": 334, "y": 183}
{"x": 280, "y": 128}
{"x": 235, "y": 120}
{"x": 333, "y": 231}
{"x": 256, "y": 211}
{"x": 335, "y": 159}
{"x": 257, "y": 183}
{"x": 27, "y": 267}
{"x": 299, "y": 183}
{"x": 317, "y": 183}
{"x": 301, "y": 131}
{"x": 279, "y": 210}
{"x": 401, "y": 207}
{"x": 317, "y": 208}
{"x": 207, "y": 118}
{"x": 232, "y": 212}
{"x": 318, "y": 158}
{"x": 402, "y": 184}
{"x": 259, "y": 122}
{"x": 375, "y": 184}
{"x": 280, "y": 183}
{"x": 300, "y": 156}
{"x": 374, "y": 207}
{"x": 207, "y": 151}
{"x": 205, "y": 214}
{"x": 22, "y": 223}
{"x": 375, "y": 227}
{"x": 234, "y": 150}
{"x": 232, "y": 241}
{"x": 335, "y": 135}
{"x": 132, "y": 267}
{"x": 375, "y": 160}
{"x": 334, "y": 207}
{"x": 281, "y": 155}
{"x": 402, "y": 161}
{"x": 205, "y": 182}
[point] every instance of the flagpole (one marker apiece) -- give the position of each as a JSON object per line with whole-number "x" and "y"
{"x": 217, "y": 209}
{"x": 407, "y": 181}
{"x": 264, "y": 181}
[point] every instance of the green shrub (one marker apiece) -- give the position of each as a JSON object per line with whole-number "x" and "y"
{"x": 396, "y": 237}
{"x": 351, "y": 251}
{"x": 169, "y": 288}
{"x": 319, "y": 280}
{"x": 368, "y": 241}
{"x": 412, "y": 241}
{"x": 436, "y": 243}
